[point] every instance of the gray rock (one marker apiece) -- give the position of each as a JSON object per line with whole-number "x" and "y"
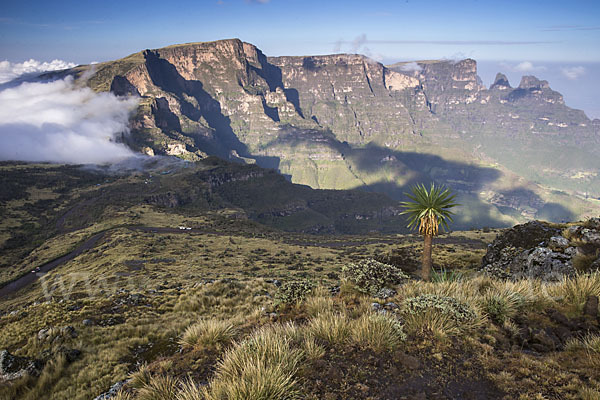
{"x": 541, "y": 263}
{"x": 113, "y": 391}
{"x": 574, "y": 231}
{"x": 590, "y": 236}
{"x": 15, "y": 367}
{"x": 43, "y": 334}
{"x": 87, "y": 322}
{"x": 385, "y": 293}
{"x": 68, "y": 331}
{"x": 595, "y": 265}
{"x": 594, "y": 223}
{"x": 375, "y": 306}
{"x": 571, "y": 251}
{"x": 558, "y": 243}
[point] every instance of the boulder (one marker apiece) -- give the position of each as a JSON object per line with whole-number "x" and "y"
{"x": 541, "y": 263}
{"x": 517, "y": 239}
{"x": 558, "y": 243}
{"x": 14, "y": 367}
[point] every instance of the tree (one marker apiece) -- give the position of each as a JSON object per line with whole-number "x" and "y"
{"x": 427, "y": 210}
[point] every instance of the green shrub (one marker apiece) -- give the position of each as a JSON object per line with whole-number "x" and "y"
{"x": 293, "y": 292}
{"x": 370, "y": 276}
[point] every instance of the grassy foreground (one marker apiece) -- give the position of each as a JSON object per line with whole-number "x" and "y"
{"x": 213, "y": 314}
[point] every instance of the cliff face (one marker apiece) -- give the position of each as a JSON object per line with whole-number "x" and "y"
{"x": 345, "y": 121}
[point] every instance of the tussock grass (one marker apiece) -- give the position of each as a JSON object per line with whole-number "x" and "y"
{"x": 377, "y": 331}
{"x": 590, "y": 344}
{"x": 312, "y": 350}
{"x": 209, "y": 333}
{"x": 589, "y": 394}
{"x": 332, "y": 327}
{"x": 318, "y": 302}
{"x": 190, "y": 391}
{"x": 260, "y": 367}
{"x": 576, "y": 290}
{"x": 255, "y": 382}
{"x": 121, "y": 395}
{"x": 431, "y": 322}
{"x": 160, "y": 387}
{"x": 141, "y": 377}
{"x": 501, "y": 305}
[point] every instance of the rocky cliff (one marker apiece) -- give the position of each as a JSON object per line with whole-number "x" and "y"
{"x": 345, "y": 121}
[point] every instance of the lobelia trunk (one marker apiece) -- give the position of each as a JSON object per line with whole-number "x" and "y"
{"x": 426, "y": 267}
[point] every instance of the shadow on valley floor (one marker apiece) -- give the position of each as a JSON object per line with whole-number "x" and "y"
{"x": 405, "y": 169}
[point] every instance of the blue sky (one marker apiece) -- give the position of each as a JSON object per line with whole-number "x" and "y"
{"x": 564, "y": 34}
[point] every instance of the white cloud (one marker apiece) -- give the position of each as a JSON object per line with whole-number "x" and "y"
{"x": 525, "y": 66}
{"x": 572, "y": 73}
{"x": 60, "y": 121}
{"x": 411, "y": 66}
{"x": 10, "y": 71}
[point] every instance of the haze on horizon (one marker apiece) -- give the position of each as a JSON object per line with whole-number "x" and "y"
{"x": 553, "y": 40}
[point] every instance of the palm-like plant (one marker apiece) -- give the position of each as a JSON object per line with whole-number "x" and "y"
{"x": 427, "y": 210}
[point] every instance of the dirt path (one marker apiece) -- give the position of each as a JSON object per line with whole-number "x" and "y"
{"x": 34, "y": 275}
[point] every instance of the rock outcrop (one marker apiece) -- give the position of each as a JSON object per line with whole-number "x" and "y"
{"x": 13, "y": 367}
{"x": 537, "y": 250}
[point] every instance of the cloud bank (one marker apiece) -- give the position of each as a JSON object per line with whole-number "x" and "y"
{"x": 59, "y": 121}
{"x": 10, "y": 71}
{"x": 411, "y": 66}
{"x": 572, "y": 73}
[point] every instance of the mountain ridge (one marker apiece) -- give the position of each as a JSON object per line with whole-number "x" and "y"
{"x": 346, "y": 121}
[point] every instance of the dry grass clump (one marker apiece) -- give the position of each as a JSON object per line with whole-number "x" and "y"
{"x": 441, "y": 315}
{"x": 331, "y": 327}
{"x": 501, "y": 305}
{"x": 212, "y": 333}
{"x": 589, "y": 394}
{"x": 122, "y": 395}
{"x": 377, "y": 331}
{"x": 431, "y": 322}
{"x": 141, "y": 377}
{"x": 260, "y": 367}
{"x": 312, "y": 350}
{"x": 160, "y": 387}
{"x": 190, "y": 391}
{"x": 577, "y": 289}
{"x": 318, "y": 302}
{"x": 590, "y": 344}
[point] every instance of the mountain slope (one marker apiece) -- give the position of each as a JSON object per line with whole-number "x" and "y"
{"x": 345, "y": 121}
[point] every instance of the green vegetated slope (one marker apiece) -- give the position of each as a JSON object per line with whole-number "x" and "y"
{"x": 345, "y": 121}
{"x": 43, "y": 201}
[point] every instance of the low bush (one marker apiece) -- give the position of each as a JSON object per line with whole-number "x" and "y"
{"x": 293, "y": 292}
{"x": 370, "y": 276}
{"x": 441, "y": 315}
